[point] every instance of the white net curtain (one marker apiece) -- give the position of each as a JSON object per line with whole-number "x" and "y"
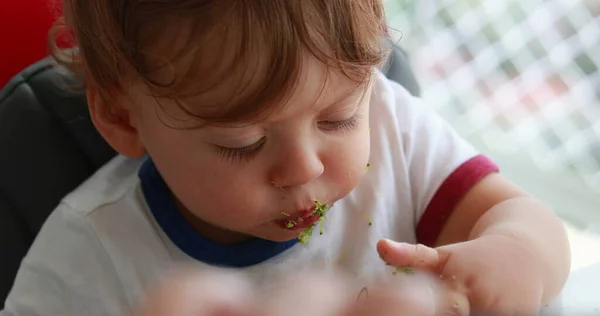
{"x": 523, "y": 75}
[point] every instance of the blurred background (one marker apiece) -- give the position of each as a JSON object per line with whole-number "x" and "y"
{"x": 519, "y": 79}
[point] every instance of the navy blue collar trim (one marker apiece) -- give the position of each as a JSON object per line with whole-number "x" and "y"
{"x": 182, "y": 234}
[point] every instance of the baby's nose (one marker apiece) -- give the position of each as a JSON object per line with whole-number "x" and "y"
{"x": 297, "y": 168}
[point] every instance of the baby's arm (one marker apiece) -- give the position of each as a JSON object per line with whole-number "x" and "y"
{"x": 496, "y": 247}
{"x": 496, "y": 207}
{"x": 501, "y": 250}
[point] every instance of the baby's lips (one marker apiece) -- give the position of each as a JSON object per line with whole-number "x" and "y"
{"x": 305, "y": 213}
{"x": 299, "y": 222}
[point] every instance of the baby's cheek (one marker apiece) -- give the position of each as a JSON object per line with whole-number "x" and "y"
{"x": 351, "y": 169}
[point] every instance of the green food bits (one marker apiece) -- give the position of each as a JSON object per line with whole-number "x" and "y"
{"x": 320, "y": 209}
{"x": 321, "y": 220}
{"x": 405, "y": 270}
{"x": 305, "y": 236}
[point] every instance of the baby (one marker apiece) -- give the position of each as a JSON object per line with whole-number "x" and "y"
{"x": 244, "y": 124}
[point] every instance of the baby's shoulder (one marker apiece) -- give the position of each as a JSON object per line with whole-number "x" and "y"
{"x": 99, "y": 234}
{"x": 391, "y": 102}
{"x": 398, "y": 111}
{"x": 108, "y": 186}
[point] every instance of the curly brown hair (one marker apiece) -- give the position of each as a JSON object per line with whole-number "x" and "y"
{"x": 184, "y": 48}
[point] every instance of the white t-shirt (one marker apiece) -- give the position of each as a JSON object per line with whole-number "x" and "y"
{"x": 111, "y": 239}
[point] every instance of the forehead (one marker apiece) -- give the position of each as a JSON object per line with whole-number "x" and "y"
{"x": 315, "y": 88}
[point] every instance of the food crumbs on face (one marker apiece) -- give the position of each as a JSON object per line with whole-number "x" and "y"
{"x": 305, "y": 236}
{"x": 456, "y": 304}
{"x": 320, "y": 209}
{"x": 367, "y": 167}
{"x": 285, "y": 214}
{"x": 290, "y": 224}
{"x": 321, "y": 220}
{"x": 277, "y": 186}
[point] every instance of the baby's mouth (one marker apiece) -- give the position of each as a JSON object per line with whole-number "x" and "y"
{"x": 298, "y": 220}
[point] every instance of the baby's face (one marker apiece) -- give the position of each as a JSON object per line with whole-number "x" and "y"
{"x": 235, "y": 182}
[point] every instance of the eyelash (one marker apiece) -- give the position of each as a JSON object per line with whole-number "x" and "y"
{"x": 236, "y": 155}
{"x": 343, "y": 126}
{"x": 244, "y": 154}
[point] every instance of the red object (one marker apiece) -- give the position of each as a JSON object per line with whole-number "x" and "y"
{"x": 24, "y": 26}
{"x": 450, "y": 193}
{"x": 298, "y": 222}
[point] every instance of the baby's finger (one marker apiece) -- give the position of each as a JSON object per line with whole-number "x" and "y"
{"x": 409, "y": 255}
{"x": 415, "y": 296}
{"x": 199, "y": 294}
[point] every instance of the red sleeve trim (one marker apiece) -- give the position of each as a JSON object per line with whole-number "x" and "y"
{"x": 452, "y": 190}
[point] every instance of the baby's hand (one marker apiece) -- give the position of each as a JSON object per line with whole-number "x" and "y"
{"x": 198, "y": 293}
{"x": 318, "y": 294}
{"x": 481, "y": 276}
{"x": 331, "y": 294}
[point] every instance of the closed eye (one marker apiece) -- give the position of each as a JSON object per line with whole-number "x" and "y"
{"x": 341, "y": 126}
{"x": 240, "y": 154}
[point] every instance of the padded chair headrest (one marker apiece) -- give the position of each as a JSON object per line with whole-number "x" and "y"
{"x": 48, "y": 146}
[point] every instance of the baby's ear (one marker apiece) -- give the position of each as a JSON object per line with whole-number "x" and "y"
{"x": 114, "y": 122}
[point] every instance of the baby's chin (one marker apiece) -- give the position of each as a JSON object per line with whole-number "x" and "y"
{"x": 277, "y": 234}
